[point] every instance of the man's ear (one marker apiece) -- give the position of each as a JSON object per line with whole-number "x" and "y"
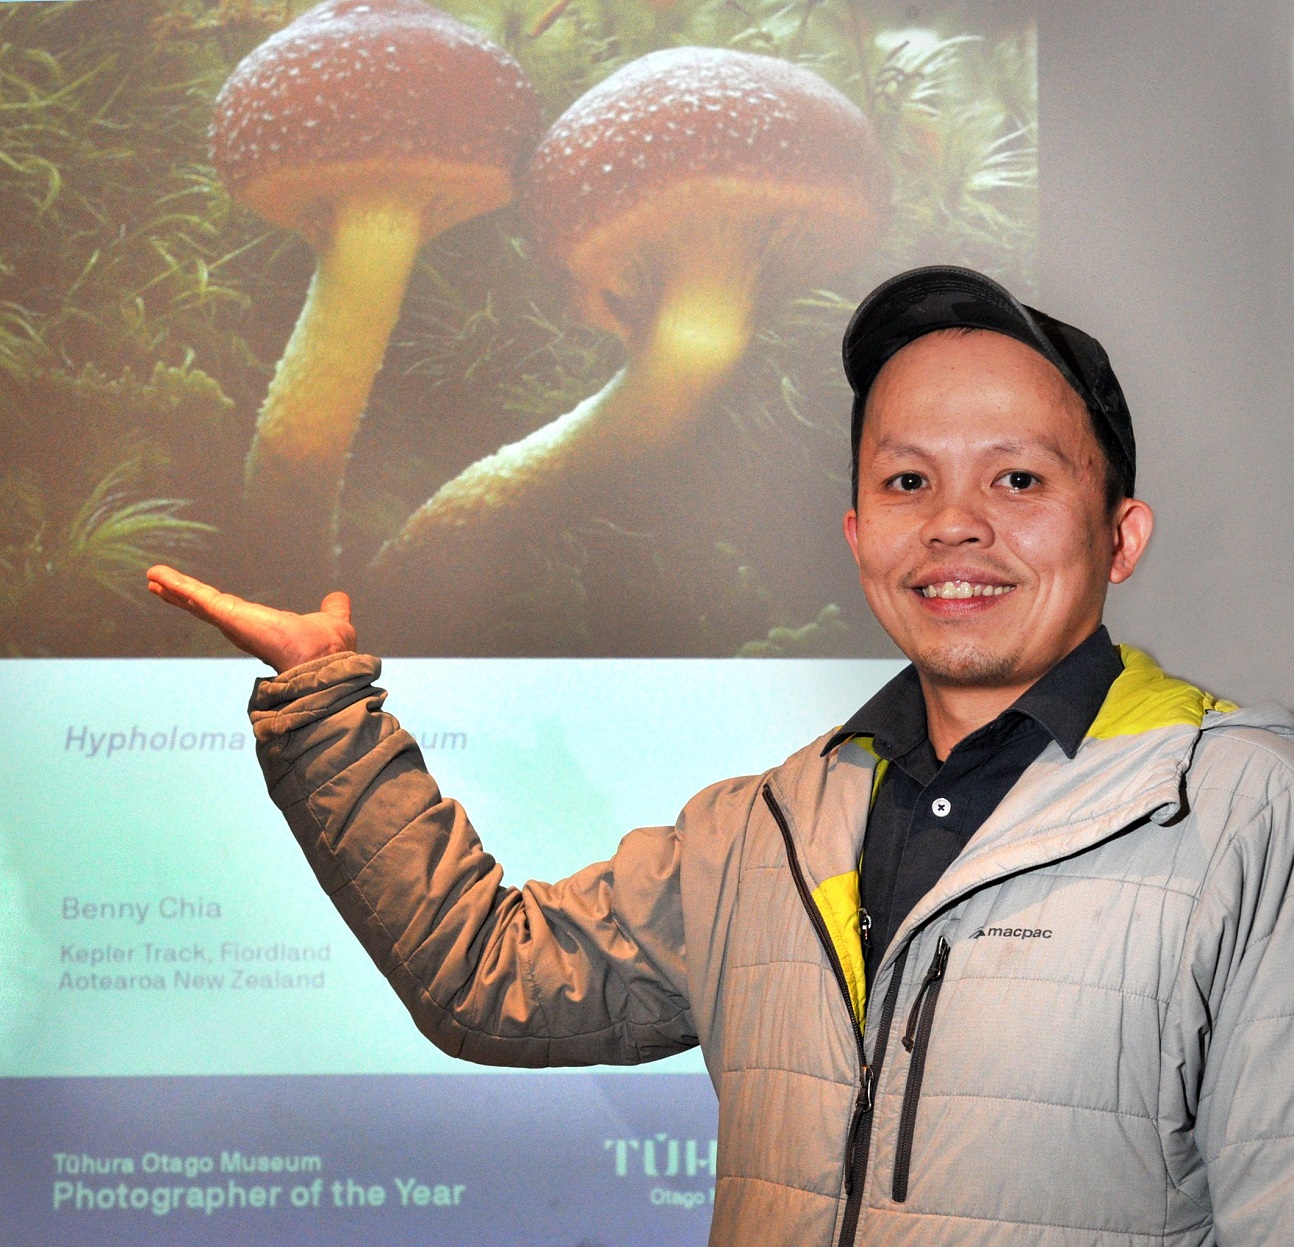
{"x": 1134, "y": 521}
{"x": 850, "y": 525}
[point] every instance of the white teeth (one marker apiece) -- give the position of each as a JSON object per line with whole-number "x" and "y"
{"x": 964, "y": 589}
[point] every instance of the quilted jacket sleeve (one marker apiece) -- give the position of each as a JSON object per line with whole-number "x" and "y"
{"x": 587, "y": 970}
{"x": 1240, "y": 971}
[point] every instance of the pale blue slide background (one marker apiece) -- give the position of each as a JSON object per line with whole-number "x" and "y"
{"x": 560, "y": 758}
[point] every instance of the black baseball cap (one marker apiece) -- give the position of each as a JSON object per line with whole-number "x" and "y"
{"x": 923, "y": 300}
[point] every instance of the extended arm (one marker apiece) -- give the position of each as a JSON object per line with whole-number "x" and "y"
{"x": 587, "y": 970}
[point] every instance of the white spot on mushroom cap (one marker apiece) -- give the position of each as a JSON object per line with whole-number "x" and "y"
{"x": 686, "y": 112}
{"x": 355, "y": 53}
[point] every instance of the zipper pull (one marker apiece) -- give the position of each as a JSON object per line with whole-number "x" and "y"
{"x": 933, "y": 975}
{"x": 866, "y": 1102}
{"x": 865, "y": 931}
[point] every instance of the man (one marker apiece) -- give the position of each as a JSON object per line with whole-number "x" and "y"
{"x": 1062, "y": 1012}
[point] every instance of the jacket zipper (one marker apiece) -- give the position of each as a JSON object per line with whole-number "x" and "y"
{"x": 916, "y": 1039}
{"x": 860, "y": 1126}
{"x": 860, "y": 1133}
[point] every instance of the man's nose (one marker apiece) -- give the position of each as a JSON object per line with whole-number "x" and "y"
{"x": 956, "y": 521}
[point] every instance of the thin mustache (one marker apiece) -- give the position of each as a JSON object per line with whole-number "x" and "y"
{"x": 983, "y": 574}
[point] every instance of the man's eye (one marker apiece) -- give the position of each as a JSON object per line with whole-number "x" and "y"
{"x": 907, "y": 481}
{"x": 1019, "y": 480}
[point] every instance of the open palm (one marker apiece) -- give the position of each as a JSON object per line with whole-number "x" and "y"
{"x": 282, "y": 639}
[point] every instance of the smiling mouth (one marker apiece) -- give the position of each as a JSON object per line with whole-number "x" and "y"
{"x": 963, "y": 589}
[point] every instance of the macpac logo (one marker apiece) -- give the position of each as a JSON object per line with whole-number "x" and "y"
{"x": 1014, "y": 933}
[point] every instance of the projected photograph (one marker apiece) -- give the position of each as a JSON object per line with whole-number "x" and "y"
{"x": 518, "y": 320}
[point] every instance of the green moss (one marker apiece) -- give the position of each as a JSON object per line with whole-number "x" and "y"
{"x": 141, "y": 313}
{"x": 73, "y": 583}
{"x": 823, "y": 637}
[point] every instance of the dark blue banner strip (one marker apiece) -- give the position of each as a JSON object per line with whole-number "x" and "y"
{"x": 481, "y": 1160}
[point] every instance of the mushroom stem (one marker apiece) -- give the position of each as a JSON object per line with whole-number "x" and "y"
{"x": 701, "y": 329}
{"x": 306, "y": 425}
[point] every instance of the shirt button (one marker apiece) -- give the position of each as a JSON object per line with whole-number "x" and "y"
{"x": 941, "y": 807}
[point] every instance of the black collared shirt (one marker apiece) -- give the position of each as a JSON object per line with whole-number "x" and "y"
{"x": 925, "y": 812}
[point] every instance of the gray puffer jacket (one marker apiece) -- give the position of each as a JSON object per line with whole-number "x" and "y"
{"x": 1084, "y": 1035}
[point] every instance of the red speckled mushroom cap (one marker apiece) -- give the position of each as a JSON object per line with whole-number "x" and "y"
{"x": 366, "y": 93}
{"x": 751, "y": 144}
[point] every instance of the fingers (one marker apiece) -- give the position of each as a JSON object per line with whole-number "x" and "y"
{"x": 280, "y": 638}
{"x": 194, "y": 596}
{"x": 175, "y": 586}
{"x": 162, "y": 577}
{"x": 160, "y": 585}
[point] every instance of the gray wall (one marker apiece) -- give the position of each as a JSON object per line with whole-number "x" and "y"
{"x": 1166, "y": 172}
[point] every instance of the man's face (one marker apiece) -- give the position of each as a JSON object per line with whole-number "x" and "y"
{"x": 981, "y": 532}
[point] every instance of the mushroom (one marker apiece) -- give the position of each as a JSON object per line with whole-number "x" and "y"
{"x": 682, "y": 193}
{"x": 369, "y": 126}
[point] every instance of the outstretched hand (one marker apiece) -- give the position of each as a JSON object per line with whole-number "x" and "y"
{"x": 280, "y": 638}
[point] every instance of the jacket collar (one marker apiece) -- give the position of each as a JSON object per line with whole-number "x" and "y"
{"x": 1143, "y": 699}
{"x": 825, "y": 802}
{"x": 1128, "y": 767}
{"x": 1064, "y": 702}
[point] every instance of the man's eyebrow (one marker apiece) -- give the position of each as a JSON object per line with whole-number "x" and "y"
{"x": 1012, "y": 446}
{"x": 1033, "y": 445}
{"x": 901, "y": 450}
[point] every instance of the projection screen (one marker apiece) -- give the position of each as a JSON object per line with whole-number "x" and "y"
{"x": 521, "y": 323}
